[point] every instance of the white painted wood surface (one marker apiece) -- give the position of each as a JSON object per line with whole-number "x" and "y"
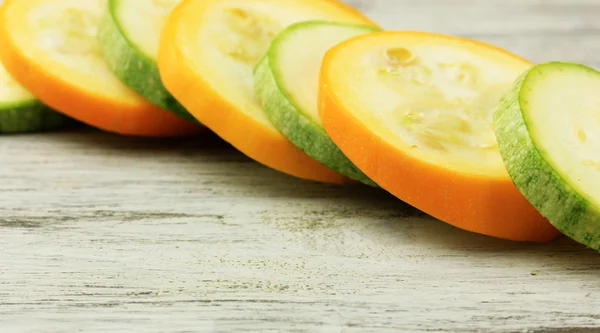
{"x": 101, "y": 233}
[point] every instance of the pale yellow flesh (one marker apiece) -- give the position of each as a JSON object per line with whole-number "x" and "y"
{"x": 563, "y": 117}
{"x": 11, "y": 91}
{"x": 60, "y": 36}
{"x": 142, "y": 22}
{"x": 431, "y": 97}
{"x": 299, "y": 66}
{"x": 233, "y": 36}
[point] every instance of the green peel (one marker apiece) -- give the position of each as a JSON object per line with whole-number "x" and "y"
{"x": 299, "y": 125}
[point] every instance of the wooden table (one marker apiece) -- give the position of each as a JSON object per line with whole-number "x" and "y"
{"x": 101, "y": 233}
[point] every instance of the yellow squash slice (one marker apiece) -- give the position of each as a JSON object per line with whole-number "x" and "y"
{"x": 414, "y": 112}
{"x": 207, "y": 54}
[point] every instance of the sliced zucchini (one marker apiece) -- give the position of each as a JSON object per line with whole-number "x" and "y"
{"x": 51, "y": 49}
{"x": 21, "y": 112}
{"x": 208, "y": 50}
{"x": 413, "y": 110}
{"x": 287, "y": 80}
{"x": 548, "y": 130}
{"x": 129, "y": 34}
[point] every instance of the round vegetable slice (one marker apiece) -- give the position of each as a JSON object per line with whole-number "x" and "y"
{"x": 287, "y": 79}
{"x": 414, "y": 112}
{"x": 548, "y": 130}
{"x": 21, "y": 112}
{"x": 50, "y": 48}
{"x": 128, "y": 35}
{"x": 207, "y": 53}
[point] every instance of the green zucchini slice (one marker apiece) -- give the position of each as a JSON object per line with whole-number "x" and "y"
{"x": 548, "y": 131}
{"x": 286, "y": 81}
{"x": 129, "y": 36}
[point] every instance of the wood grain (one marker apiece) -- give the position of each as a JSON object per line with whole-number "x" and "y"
{"x": 102, "y": 233}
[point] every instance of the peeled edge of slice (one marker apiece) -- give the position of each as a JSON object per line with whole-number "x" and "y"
{"x": 243, "y": 132}
{"x": 287, "y": 117}
{"x": 463, "y": 201}
{"x": 23, "y": 113}
{"x": 74, "y": 101}
{"x": 133, "y": 67}
{"x": 30, "y": 116}
{"x": 564, "y": 207}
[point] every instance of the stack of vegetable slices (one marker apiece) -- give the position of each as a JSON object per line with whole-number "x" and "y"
{"x": 414, "y": 112}
{"x": 52, "y": 49}
{"x": 469, "y": 133}
{"x": 206, "y": 58}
